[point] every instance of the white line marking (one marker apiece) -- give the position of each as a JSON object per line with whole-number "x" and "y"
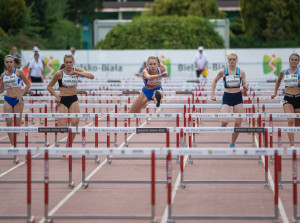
{"x": 174, "y": 190}
{"x": 64, "y": 200}
{"x": 272, "y": 184}
{"x": 69, "y": 195}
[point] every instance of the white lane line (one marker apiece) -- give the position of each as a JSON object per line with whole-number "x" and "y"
{"x": 272, "y": 184}
{"x": 69, "y": 195}
{"x": 64, "y": 200}
{"x": 174, "y": 190}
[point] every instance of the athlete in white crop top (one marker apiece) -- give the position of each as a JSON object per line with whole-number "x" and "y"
{"x": 67, "y": 101}
{"x": 291, "y": 100}
{"x": 11, "y": 81}
{"x": 152, "y": 90}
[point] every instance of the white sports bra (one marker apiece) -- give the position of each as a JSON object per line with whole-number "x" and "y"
{"x": 68, "y": 80}
{"x": 155, "y": 82}
{"x": 12, "y": 81}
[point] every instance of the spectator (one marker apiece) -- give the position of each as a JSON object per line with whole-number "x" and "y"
{"x": 73, "y": 51}
{"x": 200, "y": 60}
{"x": 139, "y": 74}
{"x": 41, "y": 58}
{"x": 14, "y": 52}
{"x": 36, "y": 70}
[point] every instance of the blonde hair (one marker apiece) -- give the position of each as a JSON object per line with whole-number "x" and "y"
{"x": 154, "y": 58}
{"x": 229, "y": 53}
{"x": 62, "y": 66}
{"x": 16, "y": 60}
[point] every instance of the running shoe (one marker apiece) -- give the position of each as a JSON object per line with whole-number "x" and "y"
{"x": 66, "y": 156}
{"x": 12, "y": 147}
{"x": 158, "y": 98}
{"x": 232, "y": 146}
{"x": 292, "y": 147}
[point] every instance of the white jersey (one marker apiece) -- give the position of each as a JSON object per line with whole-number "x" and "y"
{"x": 12, "y": 81}
{"x": 155, "y": 82}
{"x": 68, "y": 80}
{"x": 291, "y": 80}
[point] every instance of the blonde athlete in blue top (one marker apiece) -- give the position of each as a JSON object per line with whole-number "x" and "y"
{"x": 233, "y": 78}
{"x": 152, "y": 76}
{"x": 11, "y": 81}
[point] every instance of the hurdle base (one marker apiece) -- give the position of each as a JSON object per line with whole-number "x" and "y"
{"x": 16, "y": 161}
{"x": 48, "y": 220}
{"x": 31, "y": 220}
{"x": 170, "y": 220}
{"x": 71, "y": 185}
{"x": 84, "y": 185}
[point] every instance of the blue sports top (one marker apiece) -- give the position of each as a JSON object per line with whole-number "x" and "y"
{"x": 155, "y": 82}
{"x": 232, "y": 81}
{"x": 12, "y": 81}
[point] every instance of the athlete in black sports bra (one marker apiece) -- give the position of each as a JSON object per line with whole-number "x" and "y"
{"x": 67, "y": 101}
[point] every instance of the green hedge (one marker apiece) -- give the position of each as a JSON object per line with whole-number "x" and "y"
{"x": 167, "y": 32}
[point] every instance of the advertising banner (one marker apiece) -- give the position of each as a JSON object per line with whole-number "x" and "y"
{"x": 257, "y": 63}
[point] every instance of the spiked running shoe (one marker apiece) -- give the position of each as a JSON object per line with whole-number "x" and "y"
{"x": 232, "y": 146}
{"x": 158, "y": 98}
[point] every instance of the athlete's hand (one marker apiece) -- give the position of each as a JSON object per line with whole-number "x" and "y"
{"x": 164, "y": 74}
{"x": 19, "y": 97}
{"x": 213, "y": 97}
{"x": 245, "y": 87}
{"x": 72, "y": 73}
{"x": 57, "y": 99}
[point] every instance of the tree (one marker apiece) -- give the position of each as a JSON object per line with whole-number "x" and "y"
{"x": 79, "y": 8}
{"x": 166, "y": 32}
{"x": 271, "y": 19}
{"x": 283, "y": 21}
{"x": 254, "y": 16}
{"x": 11, "y": 14}
{"x": 202, "y": 8}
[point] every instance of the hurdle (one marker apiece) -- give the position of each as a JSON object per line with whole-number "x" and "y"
{"x": 106, "y": 151}
{"x": 192, "y": 116}
{"x": 294, "y": 182}
{"x": 279, "y": 131}
{"x": 210, "y": 152}
{"x": 14, "y": 116}
{"x": 21, "y": 151}
{"x": 47, "y": 116}
{"x": 137, "y": 116}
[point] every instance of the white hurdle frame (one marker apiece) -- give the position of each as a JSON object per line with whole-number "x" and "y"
{"x": 101, "y": 151}
{"x": 200, "y": 152}
{"x": 28, "y": 152}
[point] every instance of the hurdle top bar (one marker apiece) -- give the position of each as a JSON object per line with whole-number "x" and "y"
{"x": 17, "y": 151}
{"x": 222, "y": 151}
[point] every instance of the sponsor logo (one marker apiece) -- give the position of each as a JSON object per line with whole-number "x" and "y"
{"x": 272, "y": 64}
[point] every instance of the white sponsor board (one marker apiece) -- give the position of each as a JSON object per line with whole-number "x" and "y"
{"x": 114, "y": 64}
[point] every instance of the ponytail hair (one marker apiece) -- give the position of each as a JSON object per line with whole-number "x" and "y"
{"x": 62, "y": 66}
{"x": 17, "y": 62}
